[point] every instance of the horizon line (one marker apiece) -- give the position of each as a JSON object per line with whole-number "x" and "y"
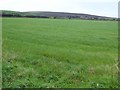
{"x": 61, "y": 12}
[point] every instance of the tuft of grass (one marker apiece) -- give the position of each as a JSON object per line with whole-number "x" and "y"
{"x": 49, "y": 53}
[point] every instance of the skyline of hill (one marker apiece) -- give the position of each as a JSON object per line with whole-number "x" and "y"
{"x": 49, "y": 14}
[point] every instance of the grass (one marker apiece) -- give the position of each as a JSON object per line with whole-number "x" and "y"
{"x": 0, "y": 52}
{"x": 48, "y": 53}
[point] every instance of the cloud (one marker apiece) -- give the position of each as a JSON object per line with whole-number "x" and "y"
{"x": 97, "y": 7}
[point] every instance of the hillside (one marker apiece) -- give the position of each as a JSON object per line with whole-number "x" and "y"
{"x": 43, "y": 14}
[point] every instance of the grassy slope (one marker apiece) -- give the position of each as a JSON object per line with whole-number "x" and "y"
{"x": 59, "y": 53}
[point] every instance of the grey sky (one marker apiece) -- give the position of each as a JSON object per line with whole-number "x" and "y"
{"x": 96, "y": 7}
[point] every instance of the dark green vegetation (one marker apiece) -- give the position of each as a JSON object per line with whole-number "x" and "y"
{"x": 59, "y": 53}
{"x": 55, "y": 15}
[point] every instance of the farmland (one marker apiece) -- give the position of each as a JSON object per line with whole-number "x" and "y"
{"x": 48, "y": 53}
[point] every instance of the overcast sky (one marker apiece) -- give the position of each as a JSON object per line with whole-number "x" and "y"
{"x": 95, "y": 7}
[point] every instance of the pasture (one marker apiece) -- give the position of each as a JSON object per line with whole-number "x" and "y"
{"x": 49, "y": 53}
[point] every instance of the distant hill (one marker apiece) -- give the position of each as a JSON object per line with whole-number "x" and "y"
{"x": 41, "y": 14}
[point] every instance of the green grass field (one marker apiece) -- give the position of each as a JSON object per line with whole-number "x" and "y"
{"x": 63, "y": 53}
